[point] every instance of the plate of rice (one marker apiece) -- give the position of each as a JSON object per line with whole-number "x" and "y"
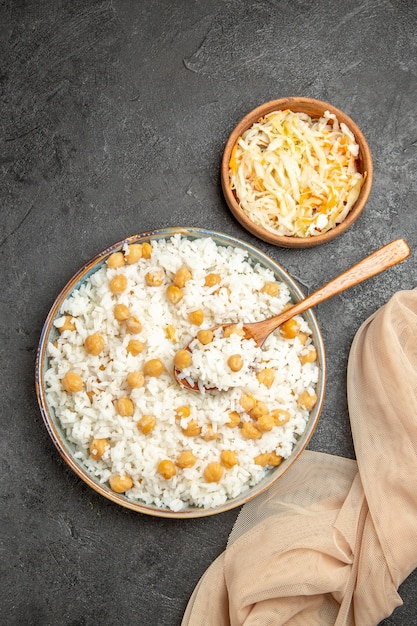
{"x": 105, "y": 374}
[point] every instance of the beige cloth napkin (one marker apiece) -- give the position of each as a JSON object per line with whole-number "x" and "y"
{"x": 331, "y": 541}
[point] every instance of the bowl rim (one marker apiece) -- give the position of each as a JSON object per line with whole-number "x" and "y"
{"x": 297, "y": 104}
{"x": 56, "y": 431}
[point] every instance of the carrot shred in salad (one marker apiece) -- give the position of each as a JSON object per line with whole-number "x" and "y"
{"x": 294, "y": 175}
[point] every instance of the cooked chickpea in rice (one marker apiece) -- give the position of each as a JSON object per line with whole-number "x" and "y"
{"x": 182, "y": 276}
{"x": 67, "y": 324}
{"x": 115, "y": 260}
{"x": 120, "y": 484}
{"x": 72, "y": 382}
{"x": 182, "y": 411}
{"x": 94, "y": 344}
{"x": 110, "y": 379}
{"x": 235, "y": 362}
{"x": 133, "y": 325}
{"x": 135, "y": 347}
{"x": 146, "y": 250}
{"x": 147, "y": 423}
{"x": 124, "y": 406}
{"x": 196, "y": 317}
{"x": 213, "y": 472}
{"x": 167, "y": 469}
{"x": 182, "y": 359}
{"x": 185, "y": 459}
{"x": 121, "y": 312}
{"x": 174, "y": 294}
{"x": 270, "y": 288}
{"x": 192, "y": 429}
{"x": 153, "y": 367}
{"x": 228, "y": 458}
{"x": 98, "y": 448}
{"x": 118, "y": 283}
{"x": 154, "y": 279}
{"x": 135, "y": 379}
{"x": 133, "y": 254}
{"x": 205, "y": 336}
{"x": 212, "y": 279}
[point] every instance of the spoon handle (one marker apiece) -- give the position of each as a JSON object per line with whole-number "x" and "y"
{"x": 377, "y": 262}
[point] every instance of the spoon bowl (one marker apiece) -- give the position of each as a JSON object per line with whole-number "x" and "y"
{"x": 377, "y": 262}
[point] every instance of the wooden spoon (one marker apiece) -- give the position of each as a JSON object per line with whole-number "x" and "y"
{"x": 377, "y": 262}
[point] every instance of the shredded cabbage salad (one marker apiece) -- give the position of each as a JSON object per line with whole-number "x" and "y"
{"x": 294, "y": 175}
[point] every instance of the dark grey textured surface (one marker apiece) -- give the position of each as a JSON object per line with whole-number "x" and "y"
{"x": 114, "y": 115}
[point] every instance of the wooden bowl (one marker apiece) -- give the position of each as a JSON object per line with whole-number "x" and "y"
{"x": 315, "y": 109}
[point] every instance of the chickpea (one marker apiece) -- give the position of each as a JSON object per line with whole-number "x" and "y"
{"x": 118, "y": 283}
{"x": 182, "y": 359}
{"x": 98, "y": 448}
{"x": 258, "y": 410}
{"x": 247, "y": 402}
{"x": 72, "y": 382}
{"x": 185, "y": 459}
{"x": 182, "y": 411}
{"x": 135, "y": 379}
{"x": 265, "y": 423}
{"x": 147, "y": 423}
{"x": 266, "y": 376}
{"x": 210, "y": 434}
{"x": 153, "y": 367}
{"x": 193, "y": 429}
{"x": 121, "y": 312}
{"x": 233, "y": 329}
{"x": 94, "y": 344}
{"x": 196, "y": 317}
{"x": 124, "y": 406}
{"x": 134, "y": 253}
{"x": 120, "y": 484}
{"x": 167, "y": 469}
{"x": 235, "y": 362}
{"x": 270, "y": 288}
{"x": 290, "y": 329}
{"x": 213, "y": 472}
{"x": 212, "y": 279}
{"x": 274, "y": 459}
{"x": 281, "y": 416}
{"x": 116, "y": 260}
{"x": 234, "y": 419}
{"x": 182, "y": 276}
{"x": 135, "y": 347}
{"x": 154, "y": 279}
{"x": 174, "y": 294}
{"x": 67, "y": 325}
{"x": 133, "y": 325}
{"x": 261, "y": 459}
{"x": 308, "y": 356}
{"x": 307, "y": 400}
{"x": 171, "y": 333}
{"x": 205, "y": 337}
{"x": 302, "y": 337}
{"x": 228, "y": 458}
{"x": 249, "y": 431}
{"x": 146, "y": 250}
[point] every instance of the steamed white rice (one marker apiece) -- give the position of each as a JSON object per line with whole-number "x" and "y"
{"x": 91, "y": 413}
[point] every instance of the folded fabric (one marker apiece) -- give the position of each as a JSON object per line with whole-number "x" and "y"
{"x": 330, "y": 543}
